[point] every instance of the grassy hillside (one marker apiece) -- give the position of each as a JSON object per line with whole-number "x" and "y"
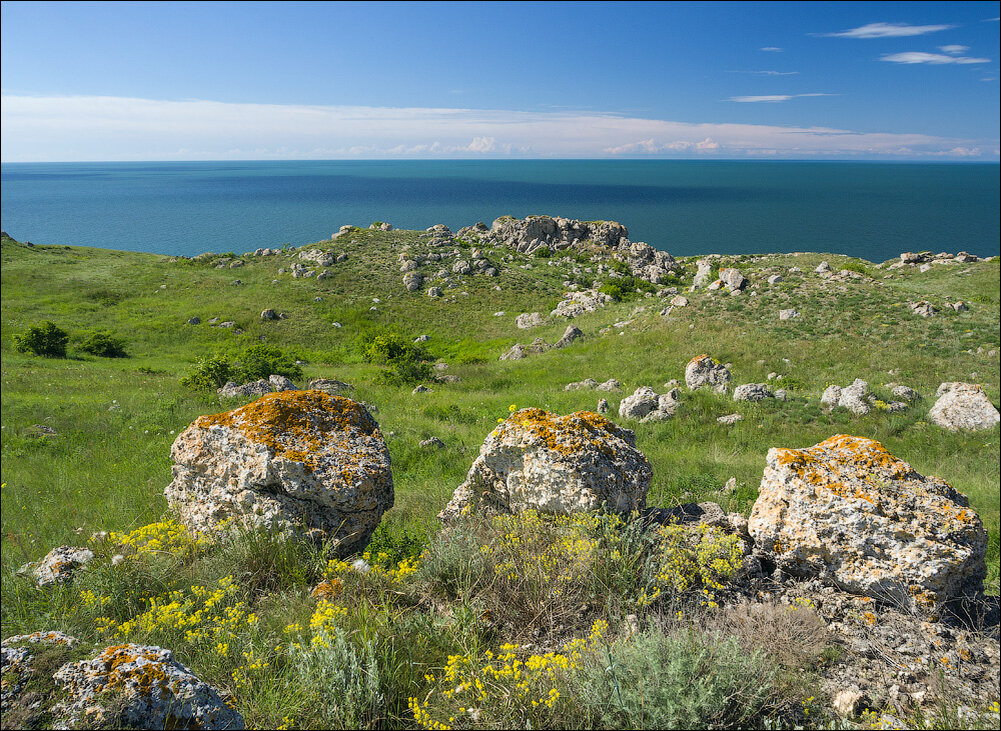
{"x": 86, "y": 440}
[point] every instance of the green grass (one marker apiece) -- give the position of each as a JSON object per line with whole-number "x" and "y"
{"x": 115, "y": 419}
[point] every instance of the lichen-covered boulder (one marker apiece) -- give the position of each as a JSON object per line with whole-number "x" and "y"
{"x": 294, "y": 460}
{"x": 705, "y": 372}
{"x": 557, "y": 464}
{"x": 17, "y": 655}
{"x": 856, "y": 398}
{"x": 752, "y": 392}
{"x": 849, "y": 512}
{"x": 963, "y": 406}
{"x": 58, "y": 565}
{"x": 139, "y": 686}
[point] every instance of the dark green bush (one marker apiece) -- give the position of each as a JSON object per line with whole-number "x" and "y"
{"x": 104, "y": 344}
{"x": 261, "y": 361}
{"x": 612, "y": 290}
{"x": 408, "y": 362}
{"x": 856, "y": 265}
{"x": 46, "y": 340}
{"x": 543, "y": 252}
{"x": 210, "y": 373}
{"x": 619, "y": 266}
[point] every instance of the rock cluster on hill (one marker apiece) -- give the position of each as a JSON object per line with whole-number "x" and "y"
{"x": 519, "y": 351}
{"x": 849, "y": 512}
{"x": 294, "y": 460}
{"x": 558, "y": 464}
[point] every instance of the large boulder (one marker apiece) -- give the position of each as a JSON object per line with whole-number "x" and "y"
{"x": 57, "y": 566}
{"x": 705, "y": 372}
{"x": 963, "y": 406}
{"x": 142, "y": 687}
{"x": 555, "y": 464}
{"x": 294, "y": 460}
{"x": 849, "y": 512}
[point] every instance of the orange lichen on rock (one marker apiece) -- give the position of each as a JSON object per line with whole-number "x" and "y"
{"x": 565, "y": 434}
{"x": 295, "y": 424}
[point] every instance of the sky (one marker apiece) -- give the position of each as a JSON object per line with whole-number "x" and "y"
{"x": 259, "y": 80}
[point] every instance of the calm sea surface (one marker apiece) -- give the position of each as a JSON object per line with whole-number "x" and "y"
{"x": 870, "y": 210}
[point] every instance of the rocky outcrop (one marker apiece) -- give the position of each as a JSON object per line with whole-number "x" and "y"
{"x": 295, "y": 460}
{"x": 330, "y": 386}
{"x": 528, "y": 320}
{"x": 574, "y": 304}
{"x": 557, "y": 464}
{"x": 141, "y": 687}
{"x": 705, "y": 372}
{"x": 732, "y": 279}
{"x": 558, "y": 234}
{"x": 856, "y": 398}
{"x": 849, "y": 512}
{"x": 647, "y": 405}
{"x": 963, "y": 406}
{"x": 58, "y": 566}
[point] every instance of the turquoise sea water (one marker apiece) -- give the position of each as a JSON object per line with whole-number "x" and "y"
{"x": 870, "y": 210}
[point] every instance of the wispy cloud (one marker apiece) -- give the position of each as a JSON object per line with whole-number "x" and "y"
{"x": 773, "y": 49}
{"x": 76, "y": 128}
{"x": 766, "y": 73}
{"x": 953, "y": 50}
{"x": 886, "y": 30}
{"x": 911, "y": 57}
{"x": 772, "y": 97}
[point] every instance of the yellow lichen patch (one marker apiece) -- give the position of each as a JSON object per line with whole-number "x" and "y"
{"x": 145, "y": 677}
{"x": 295, "y": 424}
{"x": 843, "y": 455}
{"x": 328, "y": 589}
{"x": 564, "y": 434}
{"x": 700, "y": 358}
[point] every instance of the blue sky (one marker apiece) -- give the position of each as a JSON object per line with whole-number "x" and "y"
{"x": 804, "y": 80}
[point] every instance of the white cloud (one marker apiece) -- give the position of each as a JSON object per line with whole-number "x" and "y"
{"x": 887, "y": 30}
{"x": 911, "y": 57}
{"x": 953, "y": 50}
{"x": 116, "y": 128}
{"x": 771, "y": 97}
{"x": 774, "y": 49}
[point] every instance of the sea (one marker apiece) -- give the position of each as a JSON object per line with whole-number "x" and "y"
{"x": 872, "y": 210}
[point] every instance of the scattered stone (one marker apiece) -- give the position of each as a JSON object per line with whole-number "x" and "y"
{"x": 848, "y": 703}
{"x": 421, "y": 388}
{"x": 434, "y": 292}
{"x": 705, "y": 372}
{"x": 579, "y": 303}
{"x": 789, "y": 314}
{"x": 647, "y": 405}
{"x": 17, "y": 665}
{"x": 58, "y": 566}
{"x": 432, "y": 443}
{"x": 856, "y": 398}
{"x": 752, "y": 392}
{"x": 958, "y": 306}
{"x": 907, "y": 394}
{"x": 194, "y": 320}
{"x": 139, "y": 686}
{"x": 269, "y": 314}
{"x": 528, "y": 320}
{"x": 281, "y": 383}
{"x": 702, "y": 276}
{"x": 413, "y": 281}
{"x": 849, "y": 512}
{"x": 823, "y": 268}
{"x": 775, "y": 279}
{"x": 588, "y": 384}
{"x": 922, "y": 308}
{"x": 679, "y": 301}
{"x": 781, "y": 395}
{"x": 731, "y": 486}
{"x": 963, "y": 406}
{"x": 571, "y": 334}
{"x": 732, "y": 279}
{"x": 253, "y": 388}
{"x": 295, "y": 460}
{"x": 729, "y": 419}
{"x": 603, "y": 407}
{"x": 610, "y": 385}
{"x": 556, "y": 464}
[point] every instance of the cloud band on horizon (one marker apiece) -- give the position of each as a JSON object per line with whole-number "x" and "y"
{"x": 79, "y": 128}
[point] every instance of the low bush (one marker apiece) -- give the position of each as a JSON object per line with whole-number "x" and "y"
{"x": 856, "y": 265}
{"x": 47, "y": 340}
{"x": 103, "y": 344}
{"x": 261, "y": 361}
{"x": 408, "y": 362}
{"x": 210, "y": 373}
{"x": 543, "y": 252}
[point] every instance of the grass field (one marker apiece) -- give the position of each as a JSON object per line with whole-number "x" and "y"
{"x": 114, "y": 420}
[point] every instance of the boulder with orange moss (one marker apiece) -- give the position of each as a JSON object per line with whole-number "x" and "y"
{"x": 302, "y": 461}
{"x": 849, "y": 512}
{"x": 139, "y": 686}
{"x": 557, "y": 464}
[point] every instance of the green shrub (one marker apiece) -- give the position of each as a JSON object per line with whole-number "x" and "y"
{"x": 104, "y": 344}
{"x": 617, "y": 265}
{"x": 210, "y": 373}
{"x": 543, "y": 252}
{"x": 46, "y": 340}
{"x": 856, "y": 265}
{"x": 408, "y": 362}
{"x": 261, "y": 361}
{"x": 612, "y": 290}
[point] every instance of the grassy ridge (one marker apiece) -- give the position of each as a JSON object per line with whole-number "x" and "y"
{"x": 115, "y": 419}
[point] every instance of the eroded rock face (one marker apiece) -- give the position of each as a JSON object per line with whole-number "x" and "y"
{"x": 963, "y": 406}
{"x": 17, "y": 656}
{"x": 295, "y": 460}
{"x": 556, "y": 464}
{"x": 705, "y": 372}
{"x": 145, "y": 687}
{"x": 849, "y": 512}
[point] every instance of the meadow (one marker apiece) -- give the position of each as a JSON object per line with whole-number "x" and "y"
{"x": 86, "y": 448}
